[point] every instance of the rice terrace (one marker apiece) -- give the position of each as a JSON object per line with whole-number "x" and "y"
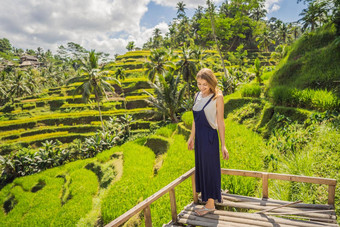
{"x": 90, "y": 139}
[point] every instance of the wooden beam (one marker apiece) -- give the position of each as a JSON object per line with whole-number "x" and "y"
{"x": 194, "y": 193}
{"x": 265, "y": 185}
{"x": 147, "y": 217}
{"x": 331, "y": 195}
{"x": 277, "y": 176}
{"x": 280, "y": 206}
{"x": 314, "y": 180}
{"x": 173, "y": 205}
{"x": 244, "y": 173}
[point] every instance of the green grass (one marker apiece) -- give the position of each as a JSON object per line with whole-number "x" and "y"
{"x": 251, "y": 90}
{"x": 320, "y": 100}
{"x": 43, "y": 208}
{"x": 138, "y": 171}
{"x": 246, "y": 152}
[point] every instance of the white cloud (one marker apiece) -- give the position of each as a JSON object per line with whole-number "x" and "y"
{"x": 93, "y": 24}
{"x": 272, "y": 5}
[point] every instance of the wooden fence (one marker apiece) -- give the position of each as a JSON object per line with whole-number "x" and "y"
{"x": 145, "y": 205}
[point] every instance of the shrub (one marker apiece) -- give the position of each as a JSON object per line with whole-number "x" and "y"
{"x": 251, "y": 90}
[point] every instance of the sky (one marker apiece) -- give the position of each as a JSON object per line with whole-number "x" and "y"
{"x": 103, "y": 25}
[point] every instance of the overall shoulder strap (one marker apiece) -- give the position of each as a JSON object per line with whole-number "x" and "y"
{"x": 208, "y": 101}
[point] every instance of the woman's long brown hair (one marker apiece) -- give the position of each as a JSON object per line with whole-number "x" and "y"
{"x": 208, "y": 75}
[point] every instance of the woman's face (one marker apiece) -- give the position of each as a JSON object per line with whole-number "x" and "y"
{"x": 203, "y": 86}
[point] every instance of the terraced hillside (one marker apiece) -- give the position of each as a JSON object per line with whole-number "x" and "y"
{"x": 57, "y": 114}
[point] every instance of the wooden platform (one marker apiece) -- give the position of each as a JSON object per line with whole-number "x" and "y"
{"x": 237, "y": 210}
{"x": 300, "y": 214}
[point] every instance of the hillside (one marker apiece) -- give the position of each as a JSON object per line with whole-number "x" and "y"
{"x": 57, "y": 114}
{"x": 309, "y": 75}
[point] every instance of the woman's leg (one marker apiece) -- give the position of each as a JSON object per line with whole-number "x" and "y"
{"x": 210, "y": 204}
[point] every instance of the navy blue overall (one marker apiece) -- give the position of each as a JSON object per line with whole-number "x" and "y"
{"x": 207, "y": 157}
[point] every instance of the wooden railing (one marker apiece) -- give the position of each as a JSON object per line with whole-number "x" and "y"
{"x": 145, "y": 205}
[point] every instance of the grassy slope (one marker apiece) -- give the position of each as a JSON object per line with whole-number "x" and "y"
{"x": 312, "y": 62}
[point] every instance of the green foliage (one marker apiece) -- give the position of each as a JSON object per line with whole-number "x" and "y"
{"x": 251, "y": 90}
{"x": 50, "y": 155}
{"x": 168, "y": 95}
{"x": 188, "y": 118}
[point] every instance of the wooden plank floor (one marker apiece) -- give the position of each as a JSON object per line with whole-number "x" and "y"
{"x": 301, "y": 214}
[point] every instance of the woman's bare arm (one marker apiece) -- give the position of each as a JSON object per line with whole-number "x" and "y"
{"x": 221, "y": 125}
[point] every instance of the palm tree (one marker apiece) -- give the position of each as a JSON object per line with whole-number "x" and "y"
{"x": 157, "y": 38}
{"x": 316, "y": 12}
{"x": 120, "y": 73}
{"x": 265, "y": 40}
{"x": 18, "y": 84}
{"x": 200, "y": 57}
{"x": 187, "y": 66}
{"x": 259, "y": 11}
{"x": 94, "y": 81}
{"x": 157, "y": 65}
{"x": 168, "y": 95}
{"x": 283, "y": 32}
{"x": 180, "y": 9}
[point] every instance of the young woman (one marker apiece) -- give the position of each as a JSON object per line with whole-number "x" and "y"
{"x": 208, "y": 113}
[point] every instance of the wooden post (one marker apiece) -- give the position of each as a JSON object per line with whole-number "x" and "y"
{"x": 265, "y": 185}
{"x": 147, "y": 217}
{"x": 331, "y": 195}
{"x": 173, "y": 205}
{"x": 194, "y": 193}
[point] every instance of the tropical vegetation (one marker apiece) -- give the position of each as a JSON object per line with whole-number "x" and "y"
{"x": 84, "y": 138}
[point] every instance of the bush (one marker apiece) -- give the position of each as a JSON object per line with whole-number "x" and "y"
{"x": 251, "y": 90}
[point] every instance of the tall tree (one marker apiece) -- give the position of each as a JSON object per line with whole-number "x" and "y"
{"x": 187, "y": 66}
{"x": 94, "y": 81}
{"x": 168, "y": 95}
{"x": 131, "y": 46}
{"x": 212, "y": 19}
{"x": 157, "y": 65}
{"x": 5, "y": 45}
{"x": 180, "y": 9}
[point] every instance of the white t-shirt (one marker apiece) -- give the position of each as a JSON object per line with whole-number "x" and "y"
{"x": 209, "y": 110}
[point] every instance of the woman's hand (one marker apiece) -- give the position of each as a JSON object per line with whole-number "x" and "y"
{"x": 191, "y": 143}
{"x": 225, "y": 153}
